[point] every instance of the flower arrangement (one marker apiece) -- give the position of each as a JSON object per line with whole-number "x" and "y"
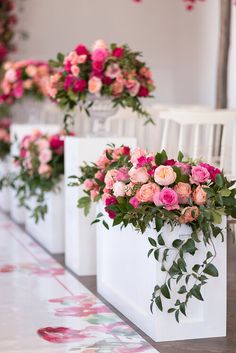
{"x": 113, "y": 71}
{"x": 24, "y": 78}
{"x": 146, "y": 190}
{"x": 7, "y": 21}
{"x": 41, "y": 166}
{"x": 5, "y": 141}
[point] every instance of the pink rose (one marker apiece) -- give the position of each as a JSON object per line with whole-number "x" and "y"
{"x": 75, "y": 70}
{"x": 185, "y": 167}
{"x": 143, "y": 92}
{"x": 118, "y": 52}
{"x": 81, "y": 50}
{"x": 139, "y": 175}
{"x": 168, "y": 198}
{"x": 122, "y": 174}
{"x": 199, "y": 175}
{"x": 97, "y": 67}
{"x": 129, "y": 189}
{"x": 133, "y": 87}
{"x": 164, "y": 175}
{"x": 36, "y": 134}
{"x": 99, "y": 55}
{"x": 82, "y": 59}
{"x": 211, "y": 169}
{"x": 45, "y": 169}
{"x": 45, "y": 156}
{"x": 109, "y": 178}
{"x": 146, "y": 192}
{"x": 134, "y": 202}
{"x": 119, "y": 189}
{"x": 113, "y": 71}
{"x": 43, "y": 143}
{"x": 79, "y": 85}
{"x": 136, "y": 154}
{"x": 93, "y": 194}
{"x": 11, "y": 75}
{"x": 189, "y": 214}
{"x": 88, "y": 184}
{"x": 31, "y": 70}
{"x": 94, "y": 85}
{"x": 111, "y": 200}
{"x": 99, "y": 175}
{"x": 199, "y": 196}
{"x": 117, "y": 88}
{"x": 100, "y": 44}
{"x": 18, "y": 90}
{"x": 103, "y": 161}
{"x": 183, "y": 191}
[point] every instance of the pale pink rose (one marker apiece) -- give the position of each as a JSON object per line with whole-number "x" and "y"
{"x": 4, "y": 136}
{"x": 189, "y": 214}
{"x": 105, "y": 196}
{"x": 88, "y": 184}
{"x": 82, "y": 59}
{"x": 100, "y": 44}
{"x": 199, "y": 196}
{"x": 183, "y": 191}
{"x": 72, "y": 58}
{"x": 129, "y": 189}
{"x": 75, "y": 70}
{"x": 168, "y": 198}
{"x": 7, "y": 65}
{"x": 164, "y": 175}
{"x": 103, "y": 161}
{"x": 93, "y": 194}
{"x": 45, "y": 156}
{"x": 119, "y": 189}
{"x": 55, "y": 78}
{"x": 113, "y": 71}
{"x": 94, "y": 85}
{"x": 6, "y": 87}
{"x": 109, "y": 178}
{"x": 133, "y": 87}
{"x": 42, "y": 144}
{"x": 122, "y": 174}
{"x": 199, "y": 175}
{"x": 185, "y": 167}
{"x": 45, "y": 169}
{"x": 146, "y": 192}
{"x": 25, "y": 143}
{"x": 11, "y": 75}
{"x": 139, "y": 175}
{"x": 36, "y": 133}
{"x": 99, "y": 175}
{"x": 134, "y": 202}
{"x": 31, "y": 70}
{"x": 136, "y": 154}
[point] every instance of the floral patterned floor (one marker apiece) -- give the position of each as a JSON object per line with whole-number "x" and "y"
{"x": 45, "y": 309}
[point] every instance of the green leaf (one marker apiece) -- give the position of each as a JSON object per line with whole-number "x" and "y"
{"x": 150, "y": 252}
{"x": 158, "y": 223}
{"x": 160, "y": 240}
{"x": 196, "y": 292}
{"x": 161, "y": 158}
{"x": 158, "y": 302}
{"x": 165, "y": 291}
{"x": 211, "y": 270}
{"x": 183, "y": 309}
{"x": 219, "y": 180}
{"x": 105, "y": 224}
{"x": 177, "y": 243}
{"x": 171, "y": 310}
{"x": 152, "y": 242}
{"x": 189, "y": 247}
{"x": 180, "y": 156}
{"x": 156, "y": 254}
{"x": 177, "y": 316}
{"x": 225, "y": 192}
{"x": 182, "y": 290}
{"x": 196, "y": 268}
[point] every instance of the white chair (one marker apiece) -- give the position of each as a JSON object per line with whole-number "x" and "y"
{"x": 195, "y": 132}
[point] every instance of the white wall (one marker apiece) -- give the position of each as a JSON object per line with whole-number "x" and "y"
{"x": 179, "y": 46}
{"x": 232, "y": 65}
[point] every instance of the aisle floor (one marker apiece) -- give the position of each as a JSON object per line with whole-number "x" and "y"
{"x": 45, "y": 309}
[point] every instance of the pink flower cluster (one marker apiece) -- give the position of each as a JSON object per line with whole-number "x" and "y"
{"x": 173, "y": 185}
{"x": 8, "y": 20}
{"x": 102, "y": 71}
{"x": 26, "y": 77}
{"x": 37, "y": 152}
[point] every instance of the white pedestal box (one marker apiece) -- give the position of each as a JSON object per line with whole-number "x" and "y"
{"x": 126, "y": 278}
{"x": 18, "y": 131}
{"x": 80, "y": 241}
{"x": 50, "y": 231}
{"x": 5, "y": 192}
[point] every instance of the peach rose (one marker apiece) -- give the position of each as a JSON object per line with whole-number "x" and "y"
{"x": 45, "y": 169}
{"x": 139, "y": 175}
{"x": 189, "y": 214}
{"x": 199, "y": 196}
{"x": 119, "y": 189}
{"x": 100, "y": 44}
{"x": 93, "y": 194}
{"x": 164, "y": 175}
{"x": 146, "y": 192}
{"x": 183, "y": 191}
{"x": 31, "y": 70}
{"x": 94, "y": 85}
{"x": 27, "y": 84}
{"x": 117, "y": 88}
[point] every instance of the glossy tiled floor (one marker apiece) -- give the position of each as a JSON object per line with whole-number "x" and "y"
{"x": 45, "y": 309}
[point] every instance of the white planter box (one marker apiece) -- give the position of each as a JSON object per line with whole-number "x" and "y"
{"x": 50, "y": 231}
{"x": 126, "y": 278}
{"x": 80, "y": 236}
{"x": 18, "y": 131}
{"x": 5, "y": 193}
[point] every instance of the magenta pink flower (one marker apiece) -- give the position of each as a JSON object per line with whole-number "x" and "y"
{"x": 211, "y": 169}
{"x": 199, "y": 175}
{"x": 168, "y": 198}
{"x": 99, "y": 55}
{"x": 118, "y": 52}
{"x": 79, "y": 85}
{"x": 134, "y": 202}
{"x": 81, "y": 50}
{"x": 122, "y": 174}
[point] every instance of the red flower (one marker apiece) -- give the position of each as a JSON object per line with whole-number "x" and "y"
{"x": 170, "y": 162}
{"x": 56, "y": 142}
{"x": 118, "y": 52}
{"x": 79, "y": 86}
{"x": 126, "y": 150}
{"x": 143, "y": 92}
{"x": 82, "y": 50}
{"x": 61, "y": 334}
